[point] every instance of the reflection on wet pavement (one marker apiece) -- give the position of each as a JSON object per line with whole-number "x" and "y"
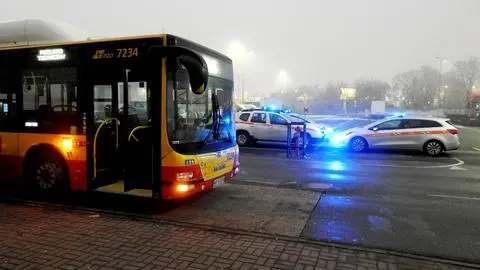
{"x": 396, "y": 223}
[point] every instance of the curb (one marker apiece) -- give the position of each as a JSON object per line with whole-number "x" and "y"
{"x": 146, "y": 218}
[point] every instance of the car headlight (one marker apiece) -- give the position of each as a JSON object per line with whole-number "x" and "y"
{"x": 338, "y": 139}
{"x": 329, "y": 130}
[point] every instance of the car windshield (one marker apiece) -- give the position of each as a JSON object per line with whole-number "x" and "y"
{"x": 297, "y": 118}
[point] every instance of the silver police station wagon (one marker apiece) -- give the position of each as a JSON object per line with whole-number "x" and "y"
{"x": 431, "y": 135}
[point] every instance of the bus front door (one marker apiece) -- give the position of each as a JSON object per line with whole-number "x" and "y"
{"x": 122, "y": 146}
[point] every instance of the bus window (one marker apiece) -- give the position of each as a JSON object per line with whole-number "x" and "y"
{"x": 137, "y": 101}
{"x": 102, "y": 102}
{"x": 52, "y": 90}
{"x": 7, "y": 111}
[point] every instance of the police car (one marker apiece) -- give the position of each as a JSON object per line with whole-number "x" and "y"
{"x": 431, "y": 135}
{"x": 259, "y": 125}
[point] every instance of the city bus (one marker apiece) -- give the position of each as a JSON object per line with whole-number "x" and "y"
{"x": 147, "y": 116}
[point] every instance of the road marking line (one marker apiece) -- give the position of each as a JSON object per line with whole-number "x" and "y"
{"x": 475, "y": 152}
{"x": 459, "y": 163}
{"x": 456, "y": 168}
{"x": 478, "y": 149}
{"x": 258, "y": 182}
{"x": 262, "y": 149}
{"x": 455, "y": 197}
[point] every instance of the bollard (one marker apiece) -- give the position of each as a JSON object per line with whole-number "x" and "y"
{"x": 296, "y": 138}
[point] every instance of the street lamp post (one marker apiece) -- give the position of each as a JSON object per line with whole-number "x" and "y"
{"x": 240, "y": 56}
{"x": 283, "y": 79}
{"x": 442, "y": 89}
{"x": 243, "y": 87}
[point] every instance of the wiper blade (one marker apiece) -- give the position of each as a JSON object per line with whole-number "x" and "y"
{"x": 214, "y": 114}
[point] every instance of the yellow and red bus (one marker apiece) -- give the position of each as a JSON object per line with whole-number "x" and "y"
{"x": 147, "y": 116}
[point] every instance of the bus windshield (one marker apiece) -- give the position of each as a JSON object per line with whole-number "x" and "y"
{"x": 195, "y": 120}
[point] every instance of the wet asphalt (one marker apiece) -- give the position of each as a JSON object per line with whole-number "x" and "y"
{"x": 395, "y": 200}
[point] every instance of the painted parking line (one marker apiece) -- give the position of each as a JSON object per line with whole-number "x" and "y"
{"x": 395, "y": 164}
{"x": 454, "y": 197}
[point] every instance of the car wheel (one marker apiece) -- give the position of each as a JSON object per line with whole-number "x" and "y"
{"x": 433, "y": 148}
{"x": 358, "y": 144}
{"x": 243, "y": 138}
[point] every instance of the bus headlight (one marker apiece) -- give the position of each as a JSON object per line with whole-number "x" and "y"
{"x": 184, "y": 176}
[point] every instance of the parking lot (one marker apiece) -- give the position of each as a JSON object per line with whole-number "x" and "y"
{"x": 392, "y": 200}
{"x": 401, "y": 200}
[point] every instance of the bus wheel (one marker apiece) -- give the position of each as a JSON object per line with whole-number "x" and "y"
{"x": 48, "y": 173}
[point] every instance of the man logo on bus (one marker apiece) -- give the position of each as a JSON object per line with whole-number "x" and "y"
{"x": 102, "y": 54}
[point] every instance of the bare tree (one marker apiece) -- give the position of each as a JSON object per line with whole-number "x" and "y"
{"x": 408, "y": 84}
{"x": 430, "y": 80}
{"x": 454, "y": 92}
{"x": 468, "y": 72}
{"x": 369, "y": 89}
{"x": 418, "y": 88}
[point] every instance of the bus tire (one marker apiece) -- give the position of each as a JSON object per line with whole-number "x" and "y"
{"x": 47, "y": 172}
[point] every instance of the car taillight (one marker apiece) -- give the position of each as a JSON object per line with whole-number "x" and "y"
{"x": 453, "y": 131}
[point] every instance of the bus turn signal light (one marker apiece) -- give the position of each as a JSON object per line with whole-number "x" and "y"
{"x": 67, "y": 144}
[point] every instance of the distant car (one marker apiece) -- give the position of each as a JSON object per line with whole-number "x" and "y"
{"x": 431, "y": 135}
{"x": 267, "y": 126}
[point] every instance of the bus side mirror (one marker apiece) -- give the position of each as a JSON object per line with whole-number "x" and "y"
{"x": 196, "y": 67}
{"x": 194, "y": 64}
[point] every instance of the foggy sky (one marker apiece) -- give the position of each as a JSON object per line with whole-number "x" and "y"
{"x": 314, "y": 41}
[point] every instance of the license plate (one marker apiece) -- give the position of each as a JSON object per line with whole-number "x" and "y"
{"x": 218, "y": 182}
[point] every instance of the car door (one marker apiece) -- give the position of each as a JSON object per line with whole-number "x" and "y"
{"x": 241, "y": 123}
{"x": 259, "y": 126}
{"x": 385, "y": 134}
{"x": 429, "y": 129}
{"x": 412, "y": 133}
{"x": 278, "y": 127}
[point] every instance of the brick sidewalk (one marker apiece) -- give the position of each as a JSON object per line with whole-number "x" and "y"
{"x": 51, "y": 238}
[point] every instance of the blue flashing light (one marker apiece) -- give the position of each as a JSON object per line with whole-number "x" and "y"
{"x": 398, "y": 114}
{"x": 226, "y": 120}
{"x": 272, "y": 107}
